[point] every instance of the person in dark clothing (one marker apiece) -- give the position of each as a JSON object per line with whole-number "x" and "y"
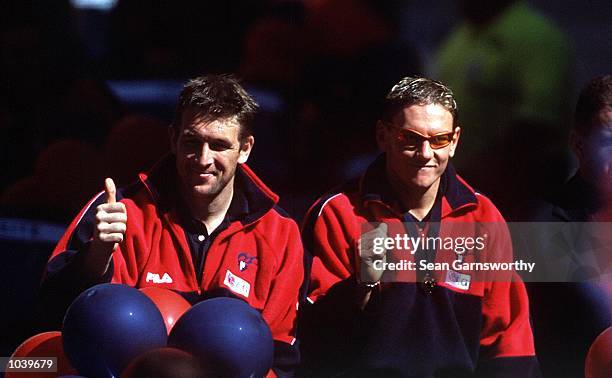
{"x": 568, "y": 316}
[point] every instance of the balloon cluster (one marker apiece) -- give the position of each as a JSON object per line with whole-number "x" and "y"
{"x": 115, "y": 330}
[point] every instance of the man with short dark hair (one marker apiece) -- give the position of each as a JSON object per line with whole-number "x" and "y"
{"x": 591, "y": 142}
{"x": 583, "y": 296}
{"x": 200, "y": 222}
{"x": 365, "y": 320}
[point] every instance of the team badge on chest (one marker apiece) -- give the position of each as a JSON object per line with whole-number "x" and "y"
{"x": 244, "y": 261}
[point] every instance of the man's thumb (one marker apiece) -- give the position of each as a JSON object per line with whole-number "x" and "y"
{"x": 111, "y": 191}
{"x": 382, "y": 227}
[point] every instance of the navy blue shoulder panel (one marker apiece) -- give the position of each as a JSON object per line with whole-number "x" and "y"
{"x": 457, "y": 194}
{"x": 282, "y": 212}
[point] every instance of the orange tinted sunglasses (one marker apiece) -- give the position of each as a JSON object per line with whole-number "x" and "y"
{"x": 411, "y": 140}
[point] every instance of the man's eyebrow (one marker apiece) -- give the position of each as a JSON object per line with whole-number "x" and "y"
{"x": 210, "y": 139}
{"x": 190, "y": 133}
{"x": 220, "y": 140}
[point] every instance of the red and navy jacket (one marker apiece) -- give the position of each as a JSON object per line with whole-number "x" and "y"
{"x": 256, "y": 254}
{"x": 405, "y": 330}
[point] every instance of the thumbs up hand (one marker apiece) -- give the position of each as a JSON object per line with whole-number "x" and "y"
{"x": 111, "y": 221}
{"x": 369, "y": 252}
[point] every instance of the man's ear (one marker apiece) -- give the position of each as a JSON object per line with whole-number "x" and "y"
{"x": 576, "y": 142}
{"x": 381, "y": 135}
{"x": 455, "y": 142}
{"x": 173, "y": 135}
{"x": 245, "y": 149}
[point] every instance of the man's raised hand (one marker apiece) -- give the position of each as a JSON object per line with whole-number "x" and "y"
{"x": 370, "y": 252}
{"x": 111, "y": 221}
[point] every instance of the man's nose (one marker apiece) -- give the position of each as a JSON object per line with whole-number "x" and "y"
{"x": 425, "y": 150}
{"x": 205, "y": 155}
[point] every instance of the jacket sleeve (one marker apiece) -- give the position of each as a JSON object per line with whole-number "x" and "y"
{"x": 506, "y": 340}
{"x": 329, "y": 239}
{"x": 280, "y": 311}
{"x": 506, "y": 343}
{"x": 63, "y": 278}
{"x": 330, "y": 314}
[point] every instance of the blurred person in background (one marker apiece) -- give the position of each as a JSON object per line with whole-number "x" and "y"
{"x": 509, "y": 67}
{"x": 568, "y": 316}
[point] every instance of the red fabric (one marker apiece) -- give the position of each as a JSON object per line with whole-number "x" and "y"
{"x": 506, "y": 330}
{"x": 155, "y": 245}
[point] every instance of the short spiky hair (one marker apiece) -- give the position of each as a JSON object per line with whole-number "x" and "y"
{"x": 596, "y": 96}
{"x": 418, "y": 91}
{"x": 217, "y": 97}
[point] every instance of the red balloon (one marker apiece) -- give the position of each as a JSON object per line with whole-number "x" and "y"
{"x": 46, "y": 344}
{"x": 170, "y": 304}
{"x": 599, "y": 359}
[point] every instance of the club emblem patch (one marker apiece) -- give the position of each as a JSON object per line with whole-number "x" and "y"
{"x": 244, "y": 260}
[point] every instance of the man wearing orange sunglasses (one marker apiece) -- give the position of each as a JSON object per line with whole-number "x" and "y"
{"x": 361, "y": 320}
{"x": 418, "y": 142}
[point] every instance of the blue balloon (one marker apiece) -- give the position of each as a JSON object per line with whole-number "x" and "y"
{"x": 229, "y": 337}
{"x": 107, "y": 326}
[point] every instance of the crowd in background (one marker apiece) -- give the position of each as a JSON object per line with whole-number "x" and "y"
{"x": 324, "y": 64}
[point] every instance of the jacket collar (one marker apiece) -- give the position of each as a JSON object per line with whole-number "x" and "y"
{"x": 252, "y": 198}
{"x": 375, "y": 187}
